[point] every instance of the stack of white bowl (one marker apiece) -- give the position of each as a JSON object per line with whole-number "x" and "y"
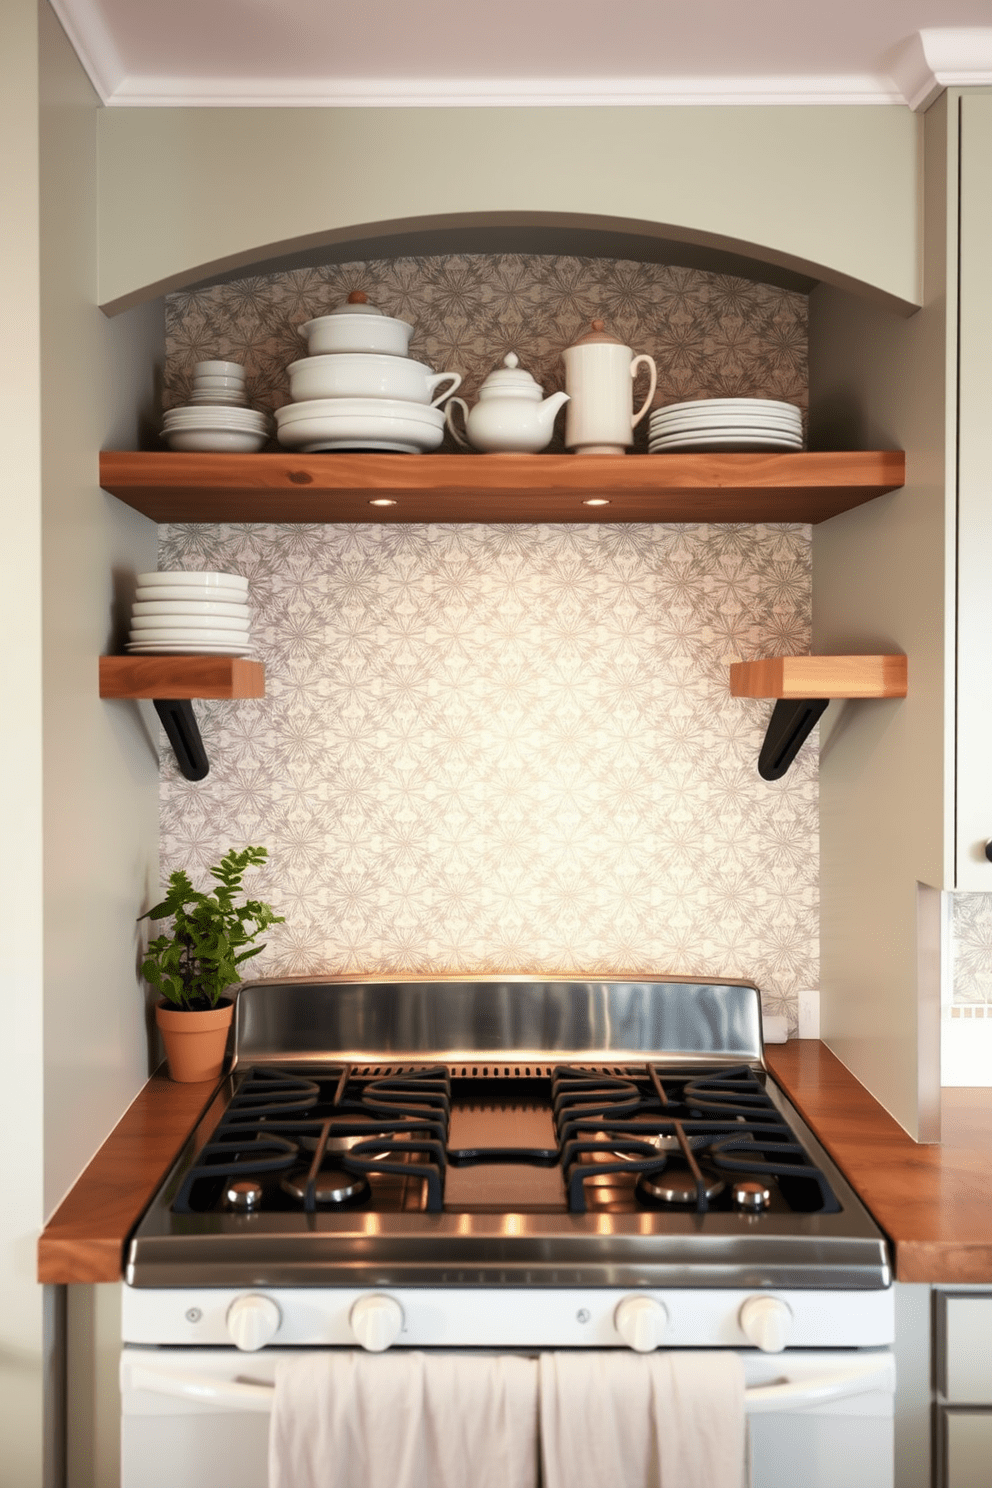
{"x": 358, "y": 389}
{"x": 732, "y": 425}
{"x": 180, "y": 613}
{"x": 217, "y": 416}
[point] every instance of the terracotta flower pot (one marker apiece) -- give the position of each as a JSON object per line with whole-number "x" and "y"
{"x": 194, "y": 1042}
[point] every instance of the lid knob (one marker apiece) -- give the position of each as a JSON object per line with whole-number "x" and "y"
{"x": 358, "y": 297}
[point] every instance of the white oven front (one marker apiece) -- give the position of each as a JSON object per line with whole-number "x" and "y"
{"x": 196, "y": 1409}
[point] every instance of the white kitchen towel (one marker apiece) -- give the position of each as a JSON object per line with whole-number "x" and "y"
{"x": 669, "y": 1419}
{"x": 350, "y": 1419}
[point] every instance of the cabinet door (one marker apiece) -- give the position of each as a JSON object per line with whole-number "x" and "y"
{"x": 974, "y": 702}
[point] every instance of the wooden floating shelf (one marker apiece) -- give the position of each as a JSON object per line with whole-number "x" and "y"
{"x": 172, "y": 487}
{"x": 181, "y": 677}
{"x": 799, "y": 677}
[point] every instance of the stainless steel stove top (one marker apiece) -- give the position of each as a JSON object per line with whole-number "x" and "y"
{"x": 517, "y": 1132}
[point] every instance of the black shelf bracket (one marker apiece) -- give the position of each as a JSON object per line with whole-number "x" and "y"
{"x": 791, "y": 723}
{"x": 179, "y": 722}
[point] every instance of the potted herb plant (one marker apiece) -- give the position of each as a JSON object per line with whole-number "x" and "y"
{"x": 193, "y": 965}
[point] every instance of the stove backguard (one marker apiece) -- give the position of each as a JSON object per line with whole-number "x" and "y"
{"x": 497, "y": 1018}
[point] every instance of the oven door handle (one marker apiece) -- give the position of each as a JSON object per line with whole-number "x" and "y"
{"x": 875, "y": 1373}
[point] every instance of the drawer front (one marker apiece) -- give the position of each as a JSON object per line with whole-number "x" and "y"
{"x": 968, "y": 1351}
{"x": 968, "y": 1445}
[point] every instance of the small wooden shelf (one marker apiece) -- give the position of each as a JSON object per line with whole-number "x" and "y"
{"x": 281, "y": 487}
{"x": 181, "y": 677}
{"x": 801, "y": 677}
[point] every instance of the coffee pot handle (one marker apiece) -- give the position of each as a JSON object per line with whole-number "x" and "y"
{"x": 646, "y": 361}
{"x": 435, "y": 381}
{"x": 454, "y": 403}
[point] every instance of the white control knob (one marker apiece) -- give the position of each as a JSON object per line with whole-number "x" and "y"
{"x": 767, "y": 1323}
{"x": 641, "y": 1323}
{"x": 253, "y": 1321}
{"x": 376, "y": 1322}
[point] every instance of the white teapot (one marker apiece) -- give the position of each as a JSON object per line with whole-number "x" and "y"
{"x": 599, "y": 372}
{"x": 511, "y": 417}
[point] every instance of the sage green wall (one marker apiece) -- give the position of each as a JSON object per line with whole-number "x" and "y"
{"x": 98, "y": 834}
{"x": 187, "y": 192}
{"x": 20, "y": 752}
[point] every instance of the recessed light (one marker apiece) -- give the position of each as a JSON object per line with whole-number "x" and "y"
{"x": 596, "y": 501}
{"x": 382, "y": 501}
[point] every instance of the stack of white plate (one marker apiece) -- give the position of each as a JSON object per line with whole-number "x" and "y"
{"x": 180, "y": 613}
{"x": 358, "y": 390}
{"x": 216, "y": 417}
{"x": 732, "y": 425}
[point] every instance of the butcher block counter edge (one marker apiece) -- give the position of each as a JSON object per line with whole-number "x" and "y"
{"x": 934, "y": 1203}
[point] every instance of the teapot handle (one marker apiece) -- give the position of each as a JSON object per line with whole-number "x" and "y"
{"x": 643, "y": 360}
{"x": 434, "y": 382}
{"x": 449, "y": 420}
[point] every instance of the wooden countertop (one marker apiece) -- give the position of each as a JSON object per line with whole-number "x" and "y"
{"x": 84, "y": 1239}
{"x": 934, "y": 1203}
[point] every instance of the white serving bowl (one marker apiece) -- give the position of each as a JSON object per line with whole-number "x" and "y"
{"x": 192, "y": 578}
{"x": 183, "y": 607}
{"x": 360, "y": 423}
{"x": 361, "y": 408}
{"x": 186, "y": 622}
{"x": 363, "y": 375}
{"x": 376, "y": 333}
{"x": 219, "y": 441}
{"x": 219, "y": 369}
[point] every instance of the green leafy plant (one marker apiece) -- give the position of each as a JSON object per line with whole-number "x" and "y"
{"x": 211, "y": 935}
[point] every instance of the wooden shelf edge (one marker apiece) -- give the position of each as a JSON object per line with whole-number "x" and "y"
{"x": 281, "y": 487}
{"x": 181, "y": 677}
{"x": 798, "y": 677}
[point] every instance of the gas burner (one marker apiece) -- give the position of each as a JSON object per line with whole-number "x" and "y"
{"x": 331, "y": 1186}
{"x": 678, "y": 1186}
{"x": 750, "y": 1196}
{"x": 243, "y": 1196}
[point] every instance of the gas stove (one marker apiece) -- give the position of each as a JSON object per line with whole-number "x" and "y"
{"x": 504, "y": 1132}
{"x": 507, "y": 1163}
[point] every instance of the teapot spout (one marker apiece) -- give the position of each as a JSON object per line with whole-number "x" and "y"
{"x": 550, "y": 407}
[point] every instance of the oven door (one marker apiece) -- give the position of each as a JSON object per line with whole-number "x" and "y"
{"x": 200, "y": 1417}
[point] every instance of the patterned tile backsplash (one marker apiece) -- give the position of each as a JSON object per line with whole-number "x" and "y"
{"x": 498, "y": 748}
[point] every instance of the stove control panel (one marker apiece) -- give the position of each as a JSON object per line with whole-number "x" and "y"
{"x": 641, "y": 1323}
{"x": 462, "y": 1316}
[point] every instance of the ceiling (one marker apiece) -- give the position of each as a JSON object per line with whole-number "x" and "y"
{"x": 376, "y": 53}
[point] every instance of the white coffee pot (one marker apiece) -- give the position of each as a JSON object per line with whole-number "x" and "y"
{"x": 512, "y": 416}
{"x": 599, "y": 375}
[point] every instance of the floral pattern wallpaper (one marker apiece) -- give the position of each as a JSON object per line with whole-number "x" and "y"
{"x": 510, "y": 748}
{"x": 971, "y": 942}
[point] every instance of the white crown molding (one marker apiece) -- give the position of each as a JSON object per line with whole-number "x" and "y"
{"x": 932, "y": 60}
{"x": 83, "y": 23}
{"x": 159, "y": 92}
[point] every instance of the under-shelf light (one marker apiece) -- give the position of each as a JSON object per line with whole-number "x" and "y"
{"x": 596, "y": 501}
{"x": 382, "y": 501}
